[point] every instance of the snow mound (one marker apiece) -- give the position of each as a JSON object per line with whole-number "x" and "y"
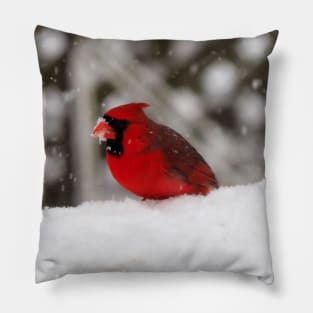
{"x": 223, "y": 231}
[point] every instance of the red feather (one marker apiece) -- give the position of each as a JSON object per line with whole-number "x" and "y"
{"x": 157, "y": 162}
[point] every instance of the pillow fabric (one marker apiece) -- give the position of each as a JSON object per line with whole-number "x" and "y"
{"x": 154, "y": 155}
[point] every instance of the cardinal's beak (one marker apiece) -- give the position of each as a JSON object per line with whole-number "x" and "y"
{"x": 103, "y": 130}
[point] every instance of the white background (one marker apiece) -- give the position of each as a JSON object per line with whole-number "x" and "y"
{"x": 289, "y": 156}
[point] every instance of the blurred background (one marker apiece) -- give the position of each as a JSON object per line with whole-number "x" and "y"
{"x": 211, "y": 92}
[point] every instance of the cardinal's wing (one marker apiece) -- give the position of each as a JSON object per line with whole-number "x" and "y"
{"x": 182, "y": 159}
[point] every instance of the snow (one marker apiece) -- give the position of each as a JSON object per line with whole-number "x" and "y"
{"x": 254, "y": 49}
{"x": 187, "y": 104}
{"x": 250, "y": 109}
{"x": 51, "y": 44}
{"x": 223, "y": 231}
{"x": 256, "y": 83}
{"x": 184, "y": 50}
{"x": 219, "y": 81}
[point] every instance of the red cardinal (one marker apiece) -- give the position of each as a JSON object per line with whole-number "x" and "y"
{"x": 149, "y": 159}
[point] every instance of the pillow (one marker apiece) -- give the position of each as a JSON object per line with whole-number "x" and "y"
{"x": 154, "y": 155}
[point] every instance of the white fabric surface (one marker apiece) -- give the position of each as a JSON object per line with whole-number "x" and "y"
{"x": 223, "y": 231}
